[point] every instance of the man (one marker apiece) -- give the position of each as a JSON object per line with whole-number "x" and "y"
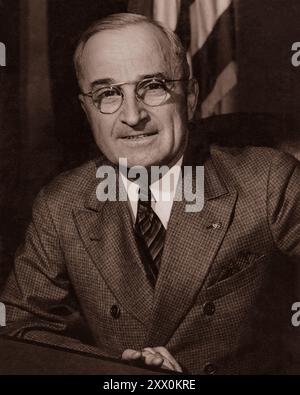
{"x": 214, "y": 294}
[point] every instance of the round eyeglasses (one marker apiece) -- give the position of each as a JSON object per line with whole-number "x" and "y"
{"x": 151, "y": 91}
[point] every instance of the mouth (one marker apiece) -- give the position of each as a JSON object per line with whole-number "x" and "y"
{"x": 139, "y": 136}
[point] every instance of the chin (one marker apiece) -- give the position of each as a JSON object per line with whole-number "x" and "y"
{"x": 145, "y": 164}
{"x": 142, "y": 160}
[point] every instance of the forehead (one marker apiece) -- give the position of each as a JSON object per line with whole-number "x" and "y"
{"x": 125, "y": 54}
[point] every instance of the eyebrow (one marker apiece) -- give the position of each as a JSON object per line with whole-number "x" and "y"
{"x": 104, "y": 81}
{"x": 110, "y": 81}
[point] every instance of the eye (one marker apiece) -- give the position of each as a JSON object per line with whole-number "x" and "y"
{"x": 154, "y": 85}
{"x": 110, "y": 93}
{"x": 107, "y": 93}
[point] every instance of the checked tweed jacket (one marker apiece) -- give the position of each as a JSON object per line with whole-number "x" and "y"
{"x": 222, "y": 302}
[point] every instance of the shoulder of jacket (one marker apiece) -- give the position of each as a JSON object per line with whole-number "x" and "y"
{"x": 249, "y": 164}
{"x": 70, "y": 187}
{"x": 249, "y": 156}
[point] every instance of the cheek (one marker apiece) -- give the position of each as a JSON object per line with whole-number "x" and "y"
{"x": 170, "y": 115}
{"x": 177, "y": 124}
{"x": 101, "y": 127}
{"x": 102, "y": 132}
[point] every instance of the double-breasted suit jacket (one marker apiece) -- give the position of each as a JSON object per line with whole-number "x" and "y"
{"x": 222, "y": 301}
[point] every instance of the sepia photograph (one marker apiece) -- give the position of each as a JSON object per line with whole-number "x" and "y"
{"x": 150, "y": 189}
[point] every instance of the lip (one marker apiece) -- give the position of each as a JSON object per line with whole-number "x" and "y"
{"x": 139, "y": 136}
{"x": 139, "y": 139}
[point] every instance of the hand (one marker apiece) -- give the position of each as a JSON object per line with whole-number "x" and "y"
{"x": 153, "y": 356}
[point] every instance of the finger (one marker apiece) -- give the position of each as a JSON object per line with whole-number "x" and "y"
{"x": 149, "y": 349}
{"x": 150, "y": 356}
{"x": 168, "y": 365}
{"x": 155, "y": 358}
{"x": 131, "y": 355}
{"x": 169, "y": 362}
{"x": 166, "y": 354}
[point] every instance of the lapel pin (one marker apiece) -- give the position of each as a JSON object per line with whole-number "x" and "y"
{"x": 215, "y": 225}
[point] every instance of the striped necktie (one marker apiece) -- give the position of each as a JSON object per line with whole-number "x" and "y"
{"x": 150, "y": 234}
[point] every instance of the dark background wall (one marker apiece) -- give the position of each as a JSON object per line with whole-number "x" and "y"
{"x": 42, "y": 128}
{"x": 10, "y": 125}
{"x": 267, "y": 80}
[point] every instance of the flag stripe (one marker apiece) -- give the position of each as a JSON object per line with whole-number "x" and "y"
{"x": 225, "y": 82}
{"x": 167, "y": 12}
{"x": 183, "y": 28}
{"x": 216, "y": 53}
{"x": 228, "y": 102}
{"x": 204, "y": 16}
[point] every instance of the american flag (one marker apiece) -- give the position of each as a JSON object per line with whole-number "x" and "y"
{"x": 207, "y": 29}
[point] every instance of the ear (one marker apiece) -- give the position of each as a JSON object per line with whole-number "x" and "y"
{"x": 192, "y": 97}
{"x": 82, "y": 103}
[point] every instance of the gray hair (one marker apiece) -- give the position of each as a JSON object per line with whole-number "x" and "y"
{"x": 118, "y": 21}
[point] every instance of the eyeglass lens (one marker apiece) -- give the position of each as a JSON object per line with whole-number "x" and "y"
{"x": 109, "y": 99}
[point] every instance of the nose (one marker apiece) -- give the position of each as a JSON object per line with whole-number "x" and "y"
{"x": 132, "y": 111}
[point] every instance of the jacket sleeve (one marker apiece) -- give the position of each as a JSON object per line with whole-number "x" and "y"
{"x": 283, "y": 204}
{"x": 39, "y": 300}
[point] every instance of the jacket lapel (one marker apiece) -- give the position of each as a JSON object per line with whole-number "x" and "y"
{"x": 107, "y": 232}
{"x": 192, "y": 241}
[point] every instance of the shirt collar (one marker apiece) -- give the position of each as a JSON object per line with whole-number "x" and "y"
{"x": 161, "y": 190}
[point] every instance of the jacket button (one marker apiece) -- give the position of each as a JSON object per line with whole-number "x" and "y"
{"x": 115, "y": 311}
{"x": 209, "y": 308}
{"x": 209, "y": 368}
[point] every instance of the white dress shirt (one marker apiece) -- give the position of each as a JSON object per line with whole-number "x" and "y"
{"x": 162, "y": 191}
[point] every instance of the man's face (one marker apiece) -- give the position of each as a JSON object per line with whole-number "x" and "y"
{"x": 143, "y": 134}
